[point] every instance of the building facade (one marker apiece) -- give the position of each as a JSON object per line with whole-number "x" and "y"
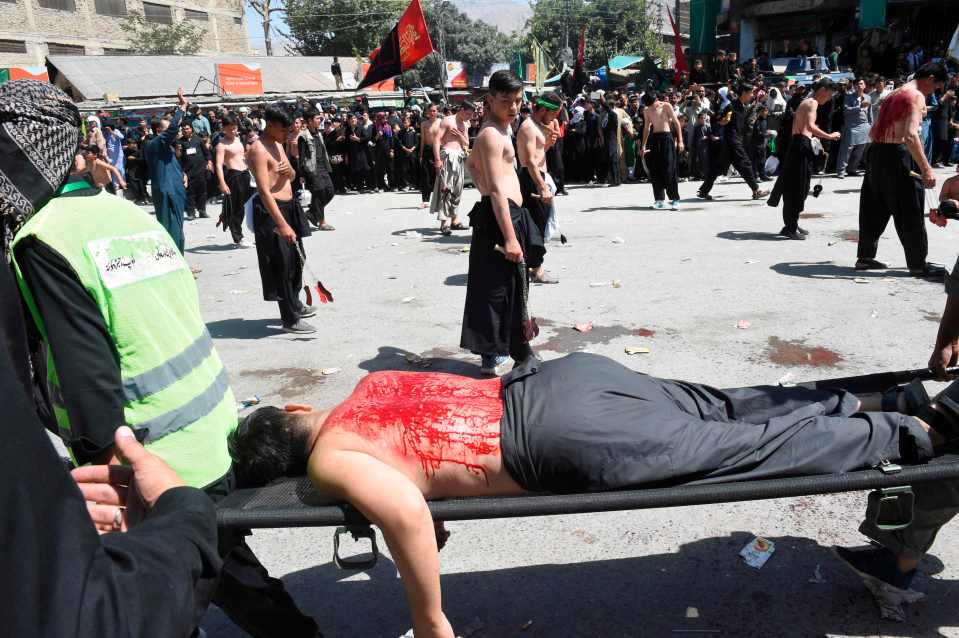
{"x": 30, "y": 30}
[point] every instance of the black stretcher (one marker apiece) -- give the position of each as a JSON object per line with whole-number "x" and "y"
{"x": 294, "y": 502}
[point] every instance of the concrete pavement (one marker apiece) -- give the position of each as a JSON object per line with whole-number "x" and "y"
{"x": 716, "y": 296}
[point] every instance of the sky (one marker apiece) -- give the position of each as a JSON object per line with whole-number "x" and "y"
{"x": 512, "y": 11}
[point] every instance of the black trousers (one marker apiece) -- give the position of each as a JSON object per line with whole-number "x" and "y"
{"x": 281, "y": 270}
{"x": 404, "y": 170}
{"x": 492, "y": 314}
{"x": 427, "y": 173}
{"x": 734, "y": 154}
{"x": 596, "y": 161}
{"x": 661, "y": 161}
{"x": 941, "y": 150}
{"x": 792, "y": 185}
{"x": 136, "y": 181}
{"x": 889, "y": 191}
{"x": 555, "y": 165}
{"x": 232, "y": 212}
{"x": 196, "y": 195}
{"x": 321, "y": 194}
{"x": 258, "y": 603}
{"x": 614, "y": 176}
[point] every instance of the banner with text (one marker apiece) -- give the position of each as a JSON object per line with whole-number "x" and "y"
{"x": 240, "y": 79}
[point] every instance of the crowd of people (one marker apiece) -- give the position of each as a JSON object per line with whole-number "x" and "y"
{"x": 116, "y": 337}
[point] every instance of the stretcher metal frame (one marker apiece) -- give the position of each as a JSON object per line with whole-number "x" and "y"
{"x": 294, "y": 502}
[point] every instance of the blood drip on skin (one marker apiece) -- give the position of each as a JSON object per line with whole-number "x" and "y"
{"x": 894, "y": 108}
{"x": 435, "y": 418}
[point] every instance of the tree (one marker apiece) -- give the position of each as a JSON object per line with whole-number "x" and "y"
{"x": 265, "y": 9}
{"x": 182, "y": 37}
{"x": 341, "y": 27}
{"x": 613, "y": 27}
{"x": 357, "y": 27}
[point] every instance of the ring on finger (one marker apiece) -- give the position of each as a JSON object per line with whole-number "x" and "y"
{"x": 117, "y": 519}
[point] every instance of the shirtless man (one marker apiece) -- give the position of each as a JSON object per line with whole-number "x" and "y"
{"x": 581, "y": 423}
{"x": 450, "y": 148}
{"x": 101, "y": 171}
{"x": 888, "y": 189}
{"x": 277, "y": 226}
{"x": 792, "y": 185}
{"x": 428, "y": 130}
{"x": 493, "y": 315}
{"x": 661, "y": 152}
{"x": 536, "y": 134}
{"x": 233, "y": 176}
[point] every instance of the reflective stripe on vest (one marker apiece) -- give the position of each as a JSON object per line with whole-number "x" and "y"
{"x": 170, "y": 371}
{"x": 173, "y": 384}
{"x": 193, "y": 410}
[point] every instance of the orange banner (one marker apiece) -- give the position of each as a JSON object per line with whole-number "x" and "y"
{"x": 29, "y": 73}
{"x": 240, "y": 79}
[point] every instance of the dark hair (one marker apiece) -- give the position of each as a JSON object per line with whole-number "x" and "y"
{"x": 279, "y": 114}
{"x": 550, "y": 97}
{"x": 268, "y": 444}
{"x": 155, "y": 123}
{"x": 743, "y": 87}
{"x": 310, "y": 113}
{"x": 92, "y": 148}
{"x": 468, "y": 106}
{"x": 649, "y": 97}
{"x": 823, "y": 83}
{"x": 504, "y": 81}
{"x": 229, "y": 120}
{"x": 932, "y": 70}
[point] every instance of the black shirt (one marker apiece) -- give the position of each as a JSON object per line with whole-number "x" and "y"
{"x": 85, "y": 355}
{"x": 60, "y": 578}
{"x": 193, "y": 156}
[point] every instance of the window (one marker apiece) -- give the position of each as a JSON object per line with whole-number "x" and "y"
{"x": 65, "y": 49}
{"x": 117, "y": 52}
{"x": 13, "y": 46}
{"x": 111, "y": 7}
{"x": 62, "y": 5}
{"x": 237, "y": 20}
{"x": 159, "y": 13}
{"x": 199, "y": 16}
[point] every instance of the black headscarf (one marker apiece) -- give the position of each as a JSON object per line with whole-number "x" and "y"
{"x": 39, "y": 138}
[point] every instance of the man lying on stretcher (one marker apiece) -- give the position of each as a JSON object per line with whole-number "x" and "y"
{"x": 585, "y": 423}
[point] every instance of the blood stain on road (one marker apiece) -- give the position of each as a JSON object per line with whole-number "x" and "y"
{"x": 797, "y": 353}
{"x": 296, "y": 380}
{"x": 812, "y": 215}
{"x": 644, "y": 332}
{"x": 848, "y": 235}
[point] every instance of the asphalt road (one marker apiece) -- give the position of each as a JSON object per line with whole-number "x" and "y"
{"x": 689, "y": 281}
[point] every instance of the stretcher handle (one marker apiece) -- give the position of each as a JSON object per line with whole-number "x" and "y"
{"x": 878, "y": 382}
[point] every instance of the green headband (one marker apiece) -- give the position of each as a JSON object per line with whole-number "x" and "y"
{"x": 546, "y": 104}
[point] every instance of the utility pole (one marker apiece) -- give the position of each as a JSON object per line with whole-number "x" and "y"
{"x": 265, "y": 11}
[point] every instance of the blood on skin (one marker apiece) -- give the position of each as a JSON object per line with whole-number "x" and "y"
{"x": 893, "y": 109}
{"x": 433, "y": 417}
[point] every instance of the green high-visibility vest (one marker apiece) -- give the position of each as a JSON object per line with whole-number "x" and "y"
{"x": 174, "y": 384}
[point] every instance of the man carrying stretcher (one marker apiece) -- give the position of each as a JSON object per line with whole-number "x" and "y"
{"x": 584, "y": 423}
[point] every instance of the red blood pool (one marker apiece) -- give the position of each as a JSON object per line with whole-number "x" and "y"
{"x": 644, "y": 332}
{"x": 796, "y": 353}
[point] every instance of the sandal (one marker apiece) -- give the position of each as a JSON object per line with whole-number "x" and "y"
{"x": 457, "y": 226}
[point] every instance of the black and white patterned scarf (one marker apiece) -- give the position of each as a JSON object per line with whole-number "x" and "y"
{"x": 39, "y": 138}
